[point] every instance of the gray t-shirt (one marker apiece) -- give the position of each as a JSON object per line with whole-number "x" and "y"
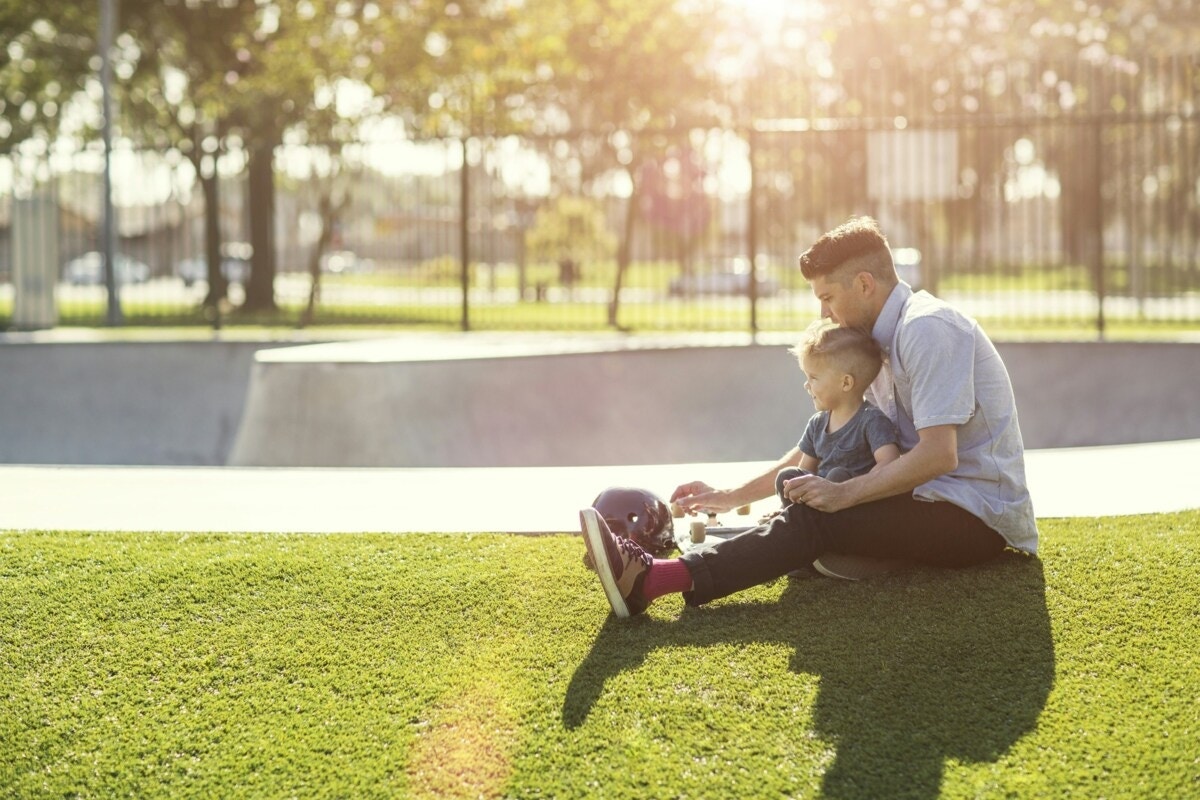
{"x": 942, "y": 369}
{"x": 851, "y": 446}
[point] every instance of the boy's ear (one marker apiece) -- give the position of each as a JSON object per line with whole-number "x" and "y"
{"x": 847, "y": 382}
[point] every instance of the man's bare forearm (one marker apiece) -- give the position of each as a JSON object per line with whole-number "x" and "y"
{"x": 763, "y": 485}
{"x": 935, "y": 455}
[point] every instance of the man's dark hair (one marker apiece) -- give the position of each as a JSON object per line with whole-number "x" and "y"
{"x": 857, "y": 242}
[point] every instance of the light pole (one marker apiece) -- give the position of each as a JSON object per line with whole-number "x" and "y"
{"x": 108, "y": 13}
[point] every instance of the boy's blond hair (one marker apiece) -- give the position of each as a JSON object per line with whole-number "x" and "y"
{"x": 849, "y": 349}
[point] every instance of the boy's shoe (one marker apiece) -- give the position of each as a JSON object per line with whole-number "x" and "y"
{"x": 857, "y": 568}
{"x": 619, "y": 562}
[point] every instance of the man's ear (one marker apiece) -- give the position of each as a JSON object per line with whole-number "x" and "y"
{"x": 865, "y": 282}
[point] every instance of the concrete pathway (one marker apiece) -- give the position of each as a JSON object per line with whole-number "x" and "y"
{"x": 1086, "y": 481}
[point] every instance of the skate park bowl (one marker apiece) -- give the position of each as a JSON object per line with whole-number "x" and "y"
{"x": 481, "y": 400}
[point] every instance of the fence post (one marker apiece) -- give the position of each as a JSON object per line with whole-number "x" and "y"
{"x": 752, "y": 238}
{"x": 464, "y": 232}
{"x": 108, "y": 238}
{"x": 1098, "y": 225}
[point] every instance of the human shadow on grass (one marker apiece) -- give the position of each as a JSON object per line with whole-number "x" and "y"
{"x": 914, "y": 669}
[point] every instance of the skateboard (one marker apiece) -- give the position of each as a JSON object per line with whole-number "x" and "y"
{"x": 701, "y": 531}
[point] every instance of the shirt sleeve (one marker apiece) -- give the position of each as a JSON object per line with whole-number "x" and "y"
{"x": 939, "y": 359}
{"x": 880, "y": 430}
{"x": 808, "y": 444}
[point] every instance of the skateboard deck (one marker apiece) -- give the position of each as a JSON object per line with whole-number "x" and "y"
{"x": 701, "y": 531}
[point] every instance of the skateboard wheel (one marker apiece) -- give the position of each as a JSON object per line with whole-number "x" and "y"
{"x": 676, "y": 510}
{"x": 698, "y": 529}
{"x": 744, "y": 510}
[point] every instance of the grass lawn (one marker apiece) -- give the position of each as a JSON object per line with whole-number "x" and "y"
{"x": 169, "y": 665}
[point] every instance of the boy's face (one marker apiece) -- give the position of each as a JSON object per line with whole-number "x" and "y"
{"x": 824, "y": 382}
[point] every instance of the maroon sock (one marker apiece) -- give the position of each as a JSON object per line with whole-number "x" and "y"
{"x": 666, "y": 576}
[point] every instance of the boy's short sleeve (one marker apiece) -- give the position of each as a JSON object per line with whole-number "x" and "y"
{"x": 808, "y": 442}
{"x": 880, "y": 431}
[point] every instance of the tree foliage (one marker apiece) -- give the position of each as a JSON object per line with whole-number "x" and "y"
{"x": 570, "y": 229}
{"x": 621, "y": 82}
{"x": 461, "y": 67}
{"x": 48, "y": 59}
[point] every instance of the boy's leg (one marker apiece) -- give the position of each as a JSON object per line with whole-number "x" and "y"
{"x": 899, "y": 527}
{"x": 783, "y": 476}
{"x": 838, "y": 475}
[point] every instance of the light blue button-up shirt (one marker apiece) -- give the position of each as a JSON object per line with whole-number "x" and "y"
{"x": 942, "y": 369}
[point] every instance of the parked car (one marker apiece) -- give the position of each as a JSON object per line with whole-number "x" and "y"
{"x": 235, "y": 265}
{"x": 731, "y": 277}
{"x": 908, "y": 266}
{"x": 88, "y": 269}
{"x": 339, "y": 261}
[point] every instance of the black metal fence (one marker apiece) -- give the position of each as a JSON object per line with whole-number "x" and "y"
{"x": 1034, "y": 197}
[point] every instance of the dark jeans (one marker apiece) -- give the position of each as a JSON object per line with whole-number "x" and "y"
{"x": 937, "y": 534}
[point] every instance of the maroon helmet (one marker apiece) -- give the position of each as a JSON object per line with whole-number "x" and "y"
{"x": 638, "y": 515}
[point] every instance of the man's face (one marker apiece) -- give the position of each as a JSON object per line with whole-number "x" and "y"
{"x": 846, "y": 305}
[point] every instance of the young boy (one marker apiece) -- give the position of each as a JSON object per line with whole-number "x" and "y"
{"x": 847, "y": 436}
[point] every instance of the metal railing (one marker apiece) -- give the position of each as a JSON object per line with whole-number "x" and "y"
{"x": 1074, "y": 204}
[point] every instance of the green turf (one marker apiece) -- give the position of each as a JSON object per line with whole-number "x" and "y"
{"x": 167, "y": 665}
{"x": 725, "y": 314}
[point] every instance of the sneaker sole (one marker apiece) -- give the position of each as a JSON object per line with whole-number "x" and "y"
{"x": 593, "y": 539}
{"x": 856, "y": 568}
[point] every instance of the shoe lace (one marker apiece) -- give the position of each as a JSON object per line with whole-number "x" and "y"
{"x": 634, "y": 550}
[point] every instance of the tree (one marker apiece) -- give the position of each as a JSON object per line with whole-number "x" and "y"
{"x": 570, "y": 232}
{"x": 980, "y": 66}
{"x": 248, "y": 71}
{"x": 633, "y": 74}
{"x": 45, "y": 63}
{"x": 177, "y": 97}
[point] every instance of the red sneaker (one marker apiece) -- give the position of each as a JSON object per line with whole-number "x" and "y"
{"x": 619, "y": 562}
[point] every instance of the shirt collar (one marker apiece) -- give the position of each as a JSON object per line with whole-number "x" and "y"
{"x": 884, "y": 331}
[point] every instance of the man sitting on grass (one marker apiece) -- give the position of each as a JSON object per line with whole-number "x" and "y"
{"x": 956, "y": 497}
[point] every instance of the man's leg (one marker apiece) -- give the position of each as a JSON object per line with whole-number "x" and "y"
{"x": 786, "y": 543}
{"x": 899, "y": 527}
{"x": 936, "y": 534}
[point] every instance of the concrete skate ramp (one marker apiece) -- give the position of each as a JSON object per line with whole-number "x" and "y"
{"x": 90, "y": 402}
{"x": 466, "y": 401}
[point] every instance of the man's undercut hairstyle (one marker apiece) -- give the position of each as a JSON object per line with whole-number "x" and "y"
{"x": 846, "y": 349}
{"x": 857, "y": 245}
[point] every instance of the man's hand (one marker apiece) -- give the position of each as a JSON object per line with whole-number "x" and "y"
{"x": 819, "y": 493}
{"x": 699, "y": 496}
